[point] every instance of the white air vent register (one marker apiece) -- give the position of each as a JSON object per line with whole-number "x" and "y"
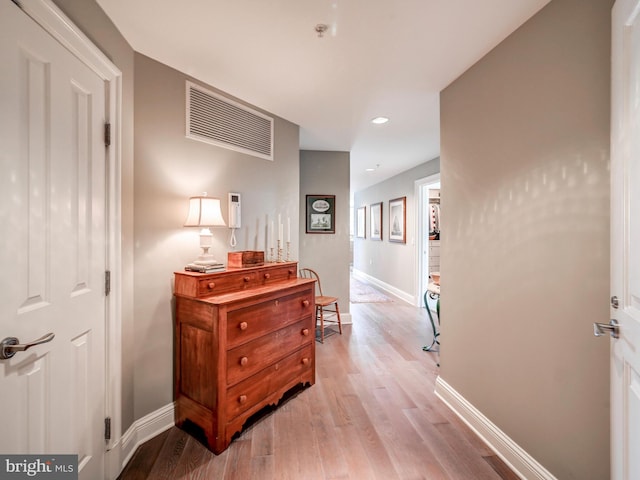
{"x": 214, "y": 119}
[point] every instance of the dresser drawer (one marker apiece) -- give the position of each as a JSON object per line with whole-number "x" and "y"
{"x": 249, "y": 323}
{"x": 254, "y": 389}
{"x": 234, "y": 282}
{"x": 250, "y": 358}
{"x": 276, "y": 274}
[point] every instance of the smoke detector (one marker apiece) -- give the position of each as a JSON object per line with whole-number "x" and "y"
{"x": 321, "y": 28}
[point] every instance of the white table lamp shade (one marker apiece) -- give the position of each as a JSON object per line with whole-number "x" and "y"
{"x": 205, "y": 212}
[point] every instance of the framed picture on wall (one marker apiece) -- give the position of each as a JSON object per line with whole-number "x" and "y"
{"x": 321, "y": 214}
{"x": 398, "y": 220}
{"x": 376, "y": 221}
{"x": 361, "y": 223}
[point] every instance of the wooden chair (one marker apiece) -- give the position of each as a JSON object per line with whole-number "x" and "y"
{"x": 323, "y": 304}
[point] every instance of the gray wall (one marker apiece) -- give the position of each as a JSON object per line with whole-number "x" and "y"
{"x": 90, "y": 18}
{"x": 525, "y": 262}
{"x": 392, "y": 263}
{"x": 327, "y": 173}
{"x": 169, "y": 169}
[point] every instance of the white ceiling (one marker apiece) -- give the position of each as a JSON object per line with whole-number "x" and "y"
{"x": 379, "y": 57}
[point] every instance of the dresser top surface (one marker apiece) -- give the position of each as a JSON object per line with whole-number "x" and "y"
{"x": 238, "y": 270}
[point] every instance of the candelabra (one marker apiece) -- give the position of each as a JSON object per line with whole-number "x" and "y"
{"x": 288, "y": 257}
{"x": 279, "y": 260}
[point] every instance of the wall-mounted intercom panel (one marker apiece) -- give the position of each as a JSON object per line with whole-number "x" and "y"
{"x": 234, "y": 210}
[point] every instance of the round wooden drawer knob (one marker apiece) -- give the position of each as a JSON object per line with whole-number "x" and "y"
{"x": 244, "y": 361}
{"x": 243, "y": 325}
{"x": 305, "y": 303}
{"x": 246, "y": 279}
{"x": 211, "y": 285}
{"x": 267, "y": 276}
{"x": 242, "y": 399}
{"x": 291, "y": 271}
{"x": 305, "y": 361}
{"x": 305, "y": 332}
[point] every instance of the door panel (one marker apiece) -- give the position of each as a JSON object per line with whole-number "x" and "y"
{"x": 625, "y": 240}
{"x": 52, "y": 211}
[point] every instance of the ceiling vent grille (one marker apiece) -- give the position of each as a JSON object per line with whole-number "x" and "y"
{"x": 214, "y": 119}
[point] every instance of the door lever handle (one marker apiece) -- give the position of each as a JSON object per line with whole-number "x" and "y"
{"x": 600, "y": 329}
{"x": 10, "y": 345}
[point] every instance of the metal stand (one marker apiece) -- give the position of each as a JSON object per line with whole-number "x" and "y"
{"x": 434, "y": 296}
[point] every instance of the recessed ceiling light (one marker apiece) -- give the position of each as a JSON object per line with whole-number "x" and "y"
{"x": 369, "y": 169}
{"x": 380, "y": 120}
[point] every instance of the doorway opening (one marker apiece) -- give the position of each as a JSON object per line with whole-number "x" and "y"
{"x": 427, "y": 192}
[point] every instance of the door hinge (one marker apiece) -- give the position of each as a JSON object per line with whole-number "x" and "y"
{"x": 107, "y": 282}
{"x": 107, "y": 134}
{"x": 107, "y": 428}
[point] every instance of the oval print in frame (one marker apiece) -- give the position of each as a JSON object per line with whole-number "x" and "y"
{"x": 320, "y": 214}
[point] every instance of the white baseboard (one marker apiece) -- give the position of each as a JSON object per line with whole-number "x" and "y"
{"x": 523, "y": 464}
{"x": 145, "y": 429}
{"x": 396, "y": 292}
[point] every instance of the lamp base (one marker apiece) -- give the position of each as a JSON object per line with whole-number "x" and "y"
{"x": 207, "y": 261}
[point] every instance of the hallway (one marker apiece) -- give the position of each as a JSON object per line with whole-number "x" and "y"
{"x": 372, "y": 414}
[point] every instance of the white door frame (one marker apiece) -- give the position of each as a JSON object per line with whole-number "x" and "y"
{"x": 421, "y": 229}
{"x": 56, "y": 23}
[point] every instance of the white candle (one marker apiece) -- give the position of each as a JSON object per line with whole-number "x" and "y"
{"x": 288, "y": 229}
{"x": 271, "y": 235}
{"x": 279, "y": 228}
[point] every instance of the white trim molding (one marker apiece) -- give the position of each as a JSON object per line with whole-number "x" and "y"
{"x": 396, "y": 292}
{"x": 523, "y": 464}
{"x": 54, "y": 21}
{"x": 422, "y": 230}
{"x": 145, "y": 429}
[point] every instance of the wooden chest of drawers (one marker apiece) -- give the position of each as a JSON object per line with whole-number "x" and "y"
{"x": 243, "y": 337}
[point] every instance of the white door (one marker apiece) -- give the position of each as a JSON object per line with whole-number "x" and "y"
{"x": 52, "y": 256}
{"x": 625, "y": 240}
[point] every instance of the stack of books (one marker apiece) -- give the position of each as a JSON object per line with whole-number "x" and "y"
{"x": 193, "y": 267}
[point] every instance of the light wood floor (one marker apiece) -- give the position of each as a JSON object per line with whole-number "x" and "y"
{"x": 372, "y": 414}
